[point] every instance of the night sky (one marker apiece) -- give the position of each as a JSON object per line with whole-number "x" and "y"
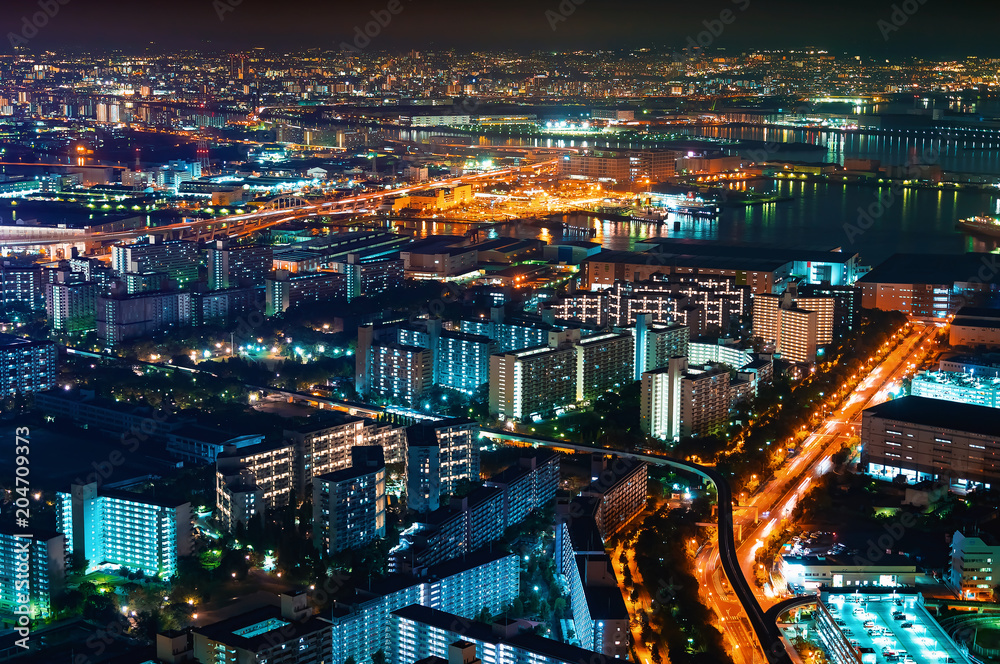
{"x": 935, "y": 29}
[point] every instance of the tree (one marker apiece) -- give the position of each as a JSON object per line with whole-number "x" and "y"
{"x": 379, "y": 657}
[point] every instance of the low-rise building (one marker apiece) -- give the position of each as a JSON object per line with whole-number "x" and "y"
{"x": 812, "y": 572}
{"x": 930, "y": 439}
{"x": 975, "y": 326}
{"x": 268, "y": 634}
{"x": 973, "y": 562}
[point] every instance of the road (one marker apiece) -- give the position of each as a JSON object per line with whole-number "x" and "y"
{"x": 777, "y": 498}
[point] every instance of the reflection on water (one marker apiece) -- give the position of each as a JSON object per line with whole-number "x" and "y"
{"x": 821, "y": 216}
{"x": 970, "y": 153}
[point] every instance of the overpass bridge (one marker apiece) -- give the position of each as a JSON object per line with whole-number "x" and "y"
{"x": 279, "y": 210}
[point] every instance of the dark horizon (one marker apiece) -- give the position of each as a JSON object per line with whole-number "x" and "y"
{"x": 931, "y": 30}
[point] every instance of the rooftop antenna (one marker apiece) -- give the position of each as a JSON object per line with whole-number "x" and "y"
{"x": 137, "y": 184}
{"x": 203, "y": 155}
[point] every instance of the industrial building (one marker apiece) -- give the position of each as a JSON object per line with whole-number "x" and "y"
{"x": 930, "y": 439}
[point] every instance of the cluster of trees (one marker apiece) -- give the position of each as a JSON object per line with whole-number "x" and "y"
{"x": 679, "y": 621}
{"x": 786, "y": 410}
{"x": 150, "y": 606}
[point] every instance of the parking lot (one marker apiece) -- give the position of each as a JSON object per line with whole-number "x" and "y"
{"x": 892, "y": 628}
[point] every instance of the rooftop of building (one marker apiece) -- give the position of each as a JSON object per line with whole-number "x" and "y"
{"x": 524, "y": 466}
{"x": 296, "y": 254}
{"x": 366, "y": 459}
{"x": 254, "y": 630}
{"x": 485, "y": 633}
{"x": 424, "y": 434}
{"x": 936, "y": 269}
{"x": 578, "y": 515}
{"x": 466, "y": 336}
{"x": 11, "y": 342}
{"x": 605, "y": 602}
{"x": 978, "y": 316}
{"x": 398, "y": 346}
{"x": 206, "y": 434}
{"x": 746, "y": 262}
{"x": 395, "y": 582}
{"x": 329, "y": 420}
{"x": 847, "y": 560}
{"x": 471, "y": 501}
{"x": 686, "y": 247}
{"x": 506, "y": 244}
{"x": 958, "y": 379}
{"x": 985, "y": 360}
{"x": 38, "y": 534}
{"x": 143, "y": 498}
{"x": 256, "y": 448}
{"x": 434, "y": 242}
{"x": 975, "y": 321}
{"x": 940, "y": 414}
{"x": 307, "y": 276}
{"x": 602, "y": 337}
{"x": 708, "y": 370}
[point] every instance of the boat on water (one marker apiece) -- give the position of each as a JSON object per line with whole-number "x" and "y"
{"x": 654, "y": 204}
{"x": 983, "y": 224}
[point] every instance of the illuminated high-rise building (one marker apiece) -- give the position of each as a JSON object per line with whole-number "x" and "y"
{"x": 26, "y": 366}
{"x": 252, "y": 479}
{"x": 123, "y": 528}
{"x": 232, "y": 266}
{"x": 178, "y": 259}
{"x": 795, "y": 332}
{"x": 45, "y": 576}
{"x": 349, "y": 504}
{"x": 439, "y": 456}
